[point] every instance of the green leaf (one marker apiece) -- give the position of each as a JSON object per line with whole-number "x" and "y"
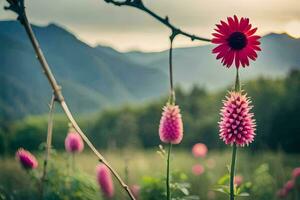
{"x": 224, "y": 179}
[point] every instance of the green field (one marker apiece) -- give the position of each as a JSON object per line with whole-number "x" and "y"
{"x": 265, "y": 170}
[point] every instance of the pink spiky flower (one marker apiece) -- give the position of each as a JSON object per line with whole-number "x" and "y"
{"x": 237, "y": 125}
{"x": 105, "y": 180}
{"x": 74, "y": 143}
{"x": 27, "y": 160}
{"x": 199, "y": 150}
{"x": 171, "y": 126}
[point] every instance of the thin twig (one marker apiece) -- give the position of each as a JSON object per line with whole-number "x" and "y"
{"x": 141, "y": 6}
{"x": 48, "y": 145}
{"x": 18, "y": 7}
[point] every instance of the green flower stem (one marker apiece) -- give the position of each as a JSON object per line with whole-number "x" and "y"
{"x": 168, "y": 173}
{"x": 73, "y": 162}
{"x": 237, "y": 88}
{"x": 232, "y": 171}
{"x": 172, "y": 91}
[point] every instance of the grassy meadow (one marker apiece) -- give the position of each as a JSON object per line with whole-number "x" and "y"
{"x": 264, "y": 172}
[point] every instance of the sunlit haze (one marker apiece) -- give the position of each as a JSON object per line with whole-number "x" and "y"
{"x": 124, "y": 28}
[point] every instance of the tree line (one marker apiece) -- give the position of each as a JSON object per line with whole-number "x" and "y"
{"x": 276, "y": 109}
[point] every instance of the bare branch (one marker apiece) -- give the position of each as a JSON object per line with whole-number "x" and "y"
{"x": 18, "y": 7}
{"x": 140, "y": 5}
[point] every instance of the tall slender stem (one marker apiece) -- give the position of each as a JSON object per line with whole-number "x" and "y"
{"x": 20, "y": 10}
{"x": 232, "y": 171}
{"x": 172, "y": 92}
{"x": 168, "y": 172}
{"x": 48, "y": 145}
{"x": 237, "y": 88}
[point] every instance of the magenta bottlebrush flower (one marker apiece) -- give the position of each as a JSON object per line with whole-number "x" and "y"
{"x": 198, "y": 169}
{"x": 236, "y": 42}
{"x": 238, "y": 180}
{"x": 237, "y": 125}
{"x": 171, "y": 127}
{"x": 296, "y": 172}
{"x": 105, "y": 180}
{"x": 73, "y": 142}
{"x": 135, "y": 189}
{"x": 199, "y": 150}
{"x": 27, "y": 160}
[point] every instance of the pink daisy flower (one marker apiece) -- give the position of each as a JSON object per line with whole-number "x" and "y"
{"x": 27, "y": 160}
{"x": 198, "y": 169}
{"x": 171, "y": 127}
{"x": 236, "y": 42}
{"x": 105, "y": 180}
{"x": 237, "y": 125}
{"x": 73, "y": 143}
{"x": 199, "y": 150}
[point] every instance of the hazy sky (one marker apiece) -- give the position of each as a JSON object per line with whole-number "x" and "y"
{"x": 124, "y": 28}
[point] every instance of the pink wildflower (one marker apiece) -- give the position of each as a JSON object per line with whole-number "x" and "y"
{"x": 237, "y": 125}
{"x": 199, "y": 150}
{"x": 296, "y": 172}
{"x": 198, "y": 169}
{"x": 27, "y": 160}
{"x": 73, "y": 143}
{"x": 105, "y": 180}
{"x": 289, "y": 185}
{"x": 171, "y": 127}
{"x": 238, "y": 180}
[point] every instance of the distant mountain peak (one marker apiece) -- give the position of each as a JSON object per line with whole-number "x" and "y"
{"x": 282, "y": 35}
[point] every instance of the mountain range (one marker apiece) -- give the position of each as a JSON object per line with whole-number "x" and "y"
{"x": 94, "y": 78}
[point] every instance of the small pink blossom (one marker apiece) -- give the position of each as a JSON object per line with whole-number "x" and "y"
{"x": 105, "y": 180}
{"x": 296, "y": 173}
{"x": 171, "y": 126}
{"x": 237, "y": 125}
{"x": 238, "y": 180}
{"x": 289, "y": 185}
{"x": 27, "y": 160}
{"x": 199, "y": 150}
{"x": 74, "y": 143}
{"x": 198, "y": 169}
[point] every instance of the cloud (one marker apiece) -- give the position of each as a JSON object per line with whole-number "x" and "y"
{"x": 124, "y": 28}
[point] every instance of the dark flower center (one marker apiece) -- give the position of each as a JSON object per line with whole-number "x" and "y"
{"x": 237, "y": 40}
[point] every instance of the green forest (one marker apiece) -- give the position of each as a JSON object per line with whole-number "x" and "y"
{"x": 276, "y": 107}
